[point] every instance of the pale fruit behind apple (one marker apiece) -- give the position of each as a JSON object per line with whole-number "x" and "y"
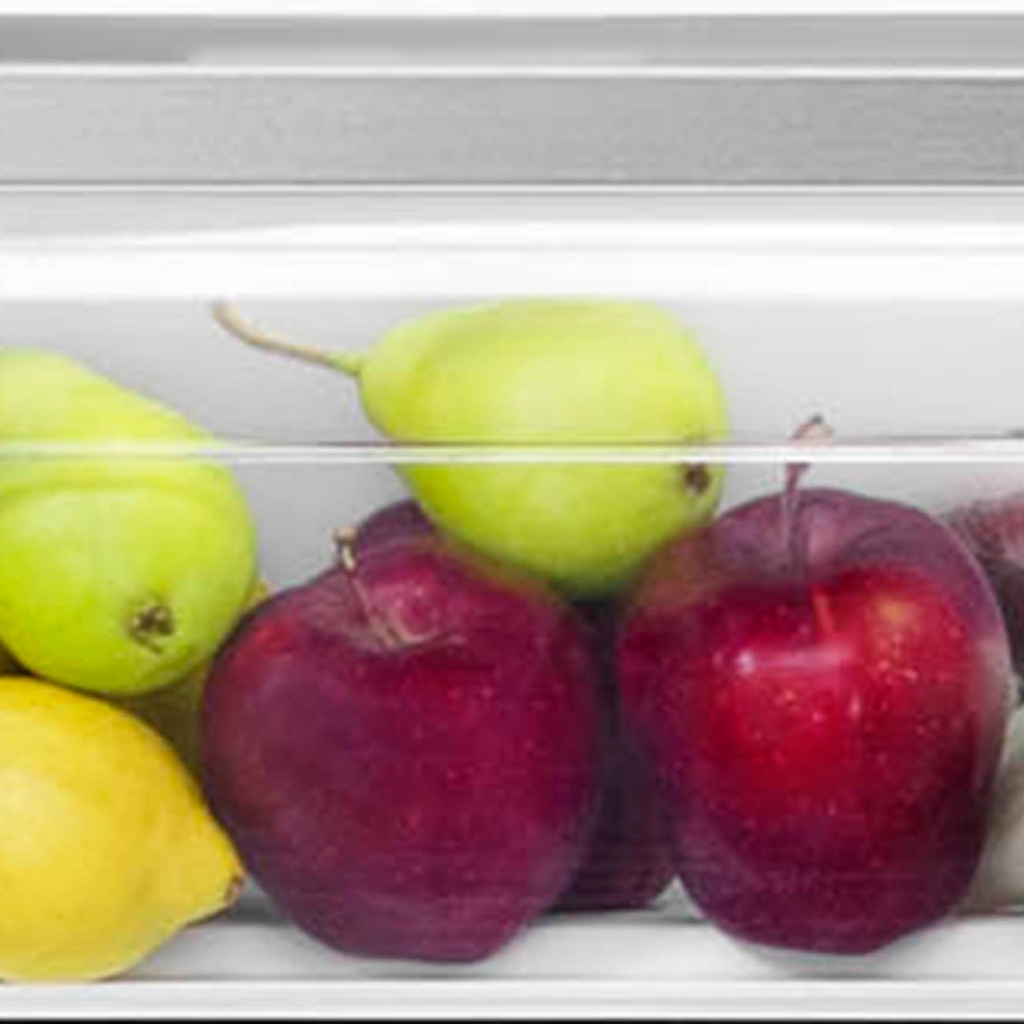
{"x": 822, "y": 682}
{"x": 994, "y": 531}
{"x": 999, "y": 880}
{"x": 551, "y": 372}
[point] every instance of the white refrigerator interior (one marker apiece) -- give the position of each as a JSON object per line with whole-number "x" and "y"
{"x": 835, "y": 212}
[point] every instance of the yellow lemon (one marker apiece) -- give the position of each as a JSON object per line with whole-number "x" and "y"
{"x": 106, "y": 846}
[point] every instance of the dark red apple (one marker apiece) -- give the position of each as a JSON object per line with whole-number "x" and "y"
{"x": 398, "y": 521}
{"x": 822, "y": 683}
{"x": 629, "y": 862}
{"x": 407, "y": 750}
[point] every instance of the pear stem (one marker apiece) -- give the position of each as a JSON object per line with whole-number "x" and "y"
{"x": 231, "y": 320}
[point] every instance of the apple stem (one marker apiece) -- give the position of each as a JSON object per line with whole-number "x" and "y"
{"x": 815, "y": 429}
{"x": 385, "y": 633}
{"x": 343, "y": 541}
{"x": 231, "y": 320}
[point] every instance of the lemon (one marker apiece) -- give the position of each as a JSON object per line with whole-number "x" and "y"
{"x": 106, "y": 846}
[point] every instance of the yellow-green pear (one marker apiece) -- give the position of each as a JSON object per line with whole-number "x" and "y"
{"x": 117, "y": 574}
{"x": 545, "y": 371}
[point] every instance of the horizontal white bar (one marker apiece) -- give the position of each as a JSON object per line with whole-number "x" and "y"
{"x": 941, "y": 237}
{"x": 909, "y": 450}
{"x": 56, "y": 273}
{"x": 489, "y": 998}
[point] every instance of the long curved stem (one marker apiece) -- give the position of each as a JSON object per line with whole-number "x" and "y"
{"x": 231, "y": 320}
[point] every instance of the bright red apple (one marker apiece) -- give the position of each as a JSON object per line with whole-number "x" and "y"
{"x": 407, "y": 750}
{"x": 821, "y": 682}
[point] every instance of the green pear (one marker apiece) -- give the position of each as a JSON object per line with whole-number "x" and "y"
{"x": 559, "y": 372}
{"x": 117, "y": 574}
